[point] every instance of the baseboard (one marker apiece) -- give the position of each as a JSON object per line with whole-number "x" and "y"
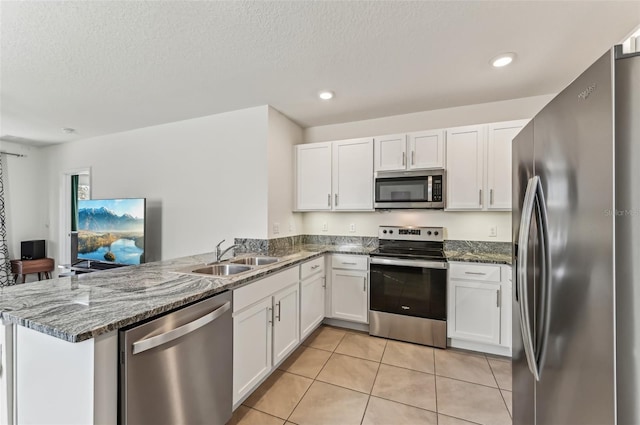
{"x": 478, "y": 346}
{"x": 346, "y": 324}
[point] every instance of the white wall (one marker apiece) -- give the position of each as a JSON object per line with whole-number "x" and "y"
{"x": 205, "y": 179}
{"x": 25, "y": 196}
{"x": 283, "y": 134}
{"x": 459, "y": 225}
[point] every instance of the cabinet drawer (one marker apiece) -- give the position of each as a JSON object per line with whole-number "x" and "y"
{"x": 311, "y": 267}
{"x": 349, "y": 262}
{"x": 255, "y": 291}
{"x": 487, "y": 273}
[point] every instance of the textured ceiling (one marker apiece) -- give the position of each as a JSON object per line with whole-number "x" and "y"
{"x": 108, "y": 66}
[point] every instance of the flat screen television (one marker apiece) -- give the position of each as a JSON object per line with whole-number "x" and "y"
{"x": 111, "y": 230}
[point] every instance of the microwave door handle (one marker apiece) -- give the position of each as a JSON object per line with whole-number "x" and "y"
{"x": 430, "y": 189}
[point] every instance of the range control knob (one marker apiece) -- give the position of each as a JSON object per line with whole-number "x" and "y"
{"x": 435, "y": 233}
{"x": 384, "y": 231}
{"x": 428, "y": 232}
{"x": 390, "y": 231}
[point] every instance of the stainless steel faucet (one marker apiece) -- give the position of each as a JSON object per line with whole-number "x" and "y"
{"x": 219, "y": 254}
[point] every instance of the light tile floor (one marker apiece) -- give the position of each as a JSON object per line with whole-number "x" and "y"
{"x": 342, "y": 377}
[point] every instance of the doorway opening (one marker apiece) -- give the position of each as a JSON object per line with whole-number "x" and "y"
{"x": 76, "y": 184}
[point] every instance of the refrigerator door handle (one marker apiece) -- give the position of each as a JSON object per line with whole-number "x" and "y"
{"x": 523, "y": 240}
{"x": 545, "y": 314}
{"x": 149, "y": 343}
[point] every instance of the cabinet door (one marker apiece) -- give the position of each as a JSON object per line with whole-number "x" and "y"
{"x": 506, "y": 307}
{"x": 353, "y": 174}
{"x": 465, "y": 167}
{"x": 313, "y": 177}
{"x": 349, "y": 295}
{"x": 390, "y": 152}
{"x": 286, "y": 322}
{"x": 252, "y": 331}
{"x": 474, "y": 311}
{"x": 312, "y": 293}
{"x": 499, "y": 164}
{"x": 426, "y": 150}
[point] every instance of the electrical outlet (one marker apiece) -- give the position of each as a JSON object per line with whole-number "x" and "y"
{"x": 493, "y": 231}
{"x": 325, "y": 227}
{"x": 352, "y": 227}
{"x": 276, "y": 228}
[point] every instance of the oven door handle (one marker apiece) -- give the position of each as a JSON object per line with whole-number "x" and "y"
{"x": 409, "y": 263}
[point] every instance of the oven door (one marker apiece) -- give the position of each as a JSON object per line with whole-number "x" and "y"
{"x": 409, "y": 287}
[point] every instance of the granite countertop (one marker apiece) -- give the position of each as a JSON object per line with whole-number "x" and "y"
{"x": 479, "y": 252}
{"x": 77, "y": 308}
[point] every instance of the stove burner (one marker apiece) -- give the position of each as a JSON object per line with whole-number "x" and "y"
{"x": 420, "y": 243}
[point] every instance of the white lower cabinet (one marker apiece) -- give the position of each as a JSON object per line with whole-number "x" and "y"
{"x": 265, "y": 328}
{"x": 479, "y": 307}
{"x": 312, "y": 296}
{"x": 252, "y": 343}
{"x": 350, "y": 288}
{"x": 286, "y": 334}
{"x": 476, "y": 307}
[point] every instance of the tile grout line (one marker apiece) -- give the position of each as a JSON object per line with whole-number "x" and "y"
{"x": 314, "y": 379}
{"x": 500, "y": 391}
{"x": 374, "y": 382}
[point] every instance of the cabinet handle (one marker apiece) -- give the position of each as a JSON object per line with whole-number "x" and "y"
{"x": 490, "y": 196}
{"x": 278, "y": 316}
{"x": 270, "y": 315}
{"x": 498, "y": 298}
{"x": 404, "y": 158}
{"x": 324, "y": 282}
{"x": 329, "y": 200}
{"x": 413, "y": 157}
{"x": 364, "y": 287}
{"x": 336, "y": 202}
{"x": 349, "y": 264}
{"x": 315, "y": 267}
{"x": 480, "y": 196}
{"x": 477, "y": 273}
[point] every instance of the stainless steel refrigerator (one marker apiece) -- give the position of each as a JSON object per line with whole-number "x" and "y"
{"x": 576, "y": 234}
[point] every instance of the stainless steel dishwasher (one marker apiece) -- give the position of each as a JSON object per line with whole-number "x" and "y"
{"x": 178, "y": 368}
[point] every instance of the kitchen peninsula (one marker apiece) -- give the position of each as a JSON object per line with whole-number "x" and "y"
{"x": 65, "y": 330}
{"x": 65, "y": 335}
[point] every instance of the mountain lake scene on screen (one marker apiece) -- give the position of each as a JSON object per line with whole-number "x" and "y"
{"x": 111, "y": 230}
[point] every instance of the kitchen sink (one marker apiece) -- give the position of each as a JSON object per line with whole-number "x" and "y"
{"x": 222, "y": 269}
{"x": 256, "y": 261}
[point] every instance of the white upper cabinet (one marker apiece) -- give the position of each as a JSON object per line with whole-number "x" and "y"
{"x": 479, "y": 166}
{"x": 426, "y": 150}
{"x": 313, "y": 177}
{"x": 335, "y": 176}
{"x": 353, "y": 174}
{"x": 413, "y": 151}
{"x": 499, "y": 163}
{"x": 390, "y": 152}
{"x": 465, "y": 167}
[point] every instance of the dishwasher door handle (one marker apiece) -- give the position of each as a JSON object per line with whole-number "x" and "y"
{"x": 149, "y": 343}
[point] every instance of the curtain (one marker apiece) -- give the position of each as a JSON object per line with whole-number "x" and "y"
{"x": 5, "y": 266}
{"x": 74, "y": 202}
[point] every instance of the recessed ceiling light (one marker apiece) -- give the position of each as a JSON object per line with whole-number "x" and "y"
{"x": 325, "y": 95}
{"x": 503, "y": 59}
{"x": 68, "y": 130}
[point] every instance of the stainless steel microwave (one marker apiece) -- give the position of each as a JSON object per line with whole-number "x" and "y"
{"x": 410, "y": 189}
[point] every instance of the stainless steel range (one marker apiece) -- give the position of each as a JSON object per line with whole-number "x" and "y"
{"x": 408, "y": 283}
